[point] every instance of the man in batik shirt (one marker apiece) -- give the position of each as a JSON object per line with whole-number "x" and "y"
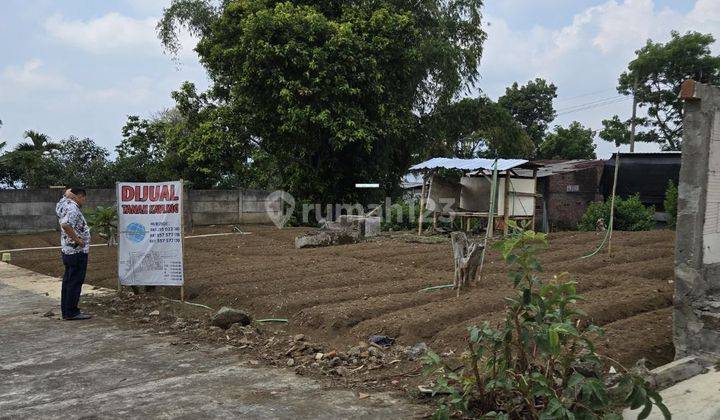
{"x": 75, "y": 243}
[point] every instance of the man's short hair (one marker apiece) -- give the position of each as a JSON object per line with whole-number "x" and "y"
{"x": 78, "y": 191}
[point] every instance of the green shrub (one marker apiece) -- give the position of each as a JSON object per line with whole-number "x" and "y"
{"x": 104, "y": 221}
{"x": 402, "y": 215}
{"x": 670, "y": 203}
{"x": 630, "y": 214}
{"x": 540, "y": 362}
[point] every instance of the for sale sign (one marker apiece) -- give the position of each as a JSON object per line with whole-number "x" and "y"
{"x": 150, "y": 233}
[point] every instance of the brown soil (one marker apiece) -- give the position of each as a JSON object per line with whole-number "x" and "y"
{"x": 340, "y": 295}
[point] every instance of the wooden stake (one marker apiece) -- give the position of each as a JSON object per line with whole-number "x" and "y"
{"x": 506, "y": 204}
{"x": 491, "y": 215}
{"x": 182, "y": 236}
{"x": 534, "y": 198}
{"x": 117, "y": 204}
{"x": 435, "y": 220}
{"x": 612, "y": 201}
{"x": 422, "y": 207}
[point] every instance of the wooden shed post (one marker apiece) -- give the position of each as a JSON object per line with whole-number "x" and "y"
{"x": 422, "y": 205}
{"x": 506, "y": 203}
{"x": 535, "y": 171}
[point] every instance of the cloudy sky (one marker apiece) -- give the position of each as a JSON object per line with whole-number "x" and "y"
{"x": 73, "y": 67}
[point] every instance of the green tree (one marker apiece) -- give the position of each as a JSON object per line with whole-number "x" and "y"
{"x": 331, "y": 90}
{"x": 573, "y": 142}
{"x": 655, "y": 75}
{"x": 192, "y": 141}
{"x": 473, "y": 127}
{"x": 34, "y": 160}
{"x": 81, "y": 162}
{"x": 532, "y": 107}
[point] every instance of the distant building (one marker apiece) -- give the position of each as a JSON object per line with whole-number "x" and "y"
{"x": 646, "y": 174}
{"x": 567, "y": 188}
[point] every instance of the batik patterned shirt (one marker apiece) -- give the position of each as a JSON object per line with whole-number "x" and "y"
{"x": 69, "y": 213}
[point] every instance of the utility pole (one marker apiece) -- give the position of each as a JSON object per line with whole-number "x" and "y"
{"x": 632, "y": 120}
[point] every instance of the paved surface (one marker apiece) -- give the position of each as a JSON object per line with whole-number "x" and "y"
{"x": 697, "y": 398}
{"x": 93, "y": 369}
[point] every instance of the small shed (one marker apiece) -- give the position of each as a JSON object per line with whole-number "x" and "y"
{"x": 470, "y": 197}
{"x": 645, "y": 174}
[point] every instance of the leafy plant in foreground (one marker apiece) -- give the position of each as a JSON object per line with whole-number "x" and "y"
{"x": 540, "y": 362}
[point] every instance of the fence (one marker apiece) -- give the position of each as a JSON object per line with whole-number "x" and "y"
{"x": 26, "y": 211}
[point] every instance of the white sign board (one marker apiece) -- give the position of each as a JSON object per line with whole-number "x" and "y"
{"x": 150, "y": 233}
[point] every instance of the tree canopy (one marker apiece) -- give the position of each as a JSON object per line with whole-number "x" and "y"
{"x": 531, "y": 106}
{"x": 331, "y": 91}
{"x": 573, "y": 142}
{"x": 655, "y": 76}
{"x": 40, "y": 162}
{"x": 473, "y": 127}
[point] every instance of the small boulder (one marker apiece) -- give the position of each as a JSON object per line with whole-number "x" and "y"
{"x": 226, "y": 317}
{"x": 416, "y": 351}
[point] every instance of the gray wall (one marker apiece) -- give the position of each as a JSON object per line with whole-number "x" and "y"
{"x": 696, "y": 314}
{"x": 24, "y": 211}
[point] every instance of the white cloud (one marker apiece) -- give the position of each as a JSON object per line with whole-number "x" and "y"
{"x": 113, "y": 33}
{"x": 33, "y": 76}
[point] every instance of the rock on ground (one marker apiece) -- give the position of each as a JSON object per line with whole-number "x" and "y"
{"x": 227, "y": 316}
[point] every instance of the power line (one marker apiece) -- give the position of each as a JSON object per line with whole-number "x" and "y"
{"x": 597, "y": 105}
{"x": 596, "y": 101}
{"x": 584, "y": 95}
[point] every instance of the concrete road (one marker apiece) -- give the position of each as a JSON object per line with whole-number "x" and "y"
{"x": 51, "y": 368}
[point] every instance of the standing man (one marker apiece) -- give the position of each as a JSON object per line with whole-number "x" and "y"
{"x": 75, "y": 242}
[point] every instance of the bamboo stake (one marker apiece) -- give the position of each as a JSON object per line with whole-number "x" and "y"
{"x": 506, "y": 204}
{"x": 612, "y": 201}
{"x": 491, "y": 213}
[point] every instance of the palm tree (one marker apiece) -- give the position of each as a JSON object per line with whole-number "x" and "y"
{"x": 39, "y": 143}
{"x": 32, "y": 157}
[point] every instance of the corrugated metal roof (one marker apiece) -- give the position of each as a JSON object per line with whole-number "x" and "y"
{"x": 468, "y": 164}
{"x": 411, "y": 181}
{"x": 556, "y": 167}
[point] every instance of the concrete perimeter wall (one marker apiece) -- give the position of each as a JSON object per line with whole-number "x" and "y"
{"x": 25, "y": 211}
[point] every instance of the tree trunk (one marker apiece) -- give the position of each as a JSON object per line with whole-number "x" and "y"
{"x": 466, "y": 257}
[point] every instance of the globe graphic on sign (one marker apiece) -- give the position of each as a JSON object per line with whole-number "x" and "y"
{"x": 135, "y": 232}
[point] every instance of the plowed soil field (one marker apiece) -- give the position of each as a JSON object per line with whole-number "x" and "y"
{"x": 343, "y": 294}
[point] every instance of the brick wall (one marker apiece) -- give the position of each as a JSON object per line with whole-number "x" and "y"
{"x": 567, "y": 196}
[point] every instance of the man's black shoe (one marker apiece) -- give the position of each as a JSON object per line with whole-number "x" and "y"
{"x": 78, "y": 317}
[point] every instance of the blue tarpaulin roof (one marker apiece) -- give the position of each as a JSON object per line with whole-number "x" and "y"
{"x": 468, "y": 164}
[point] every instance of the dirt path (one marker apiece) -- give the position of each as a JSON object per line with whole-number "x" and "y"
{"x": 343, "y": 294}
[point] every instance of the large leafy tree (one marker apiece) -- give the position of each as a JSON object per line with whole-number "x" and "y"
{"x": 473, "y": 127}
{"x": 81, "y": 162}
{"x": 193, "y": 141}
{"x": 573, "y": 142}
{"x": 655, "y": 76}
{"x": 532, "y": 107}
{"x": 331, "y": 90}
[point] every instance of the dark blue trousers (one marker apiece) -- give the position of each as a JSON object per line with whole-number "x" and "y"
{"x": 73, "y": 279}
